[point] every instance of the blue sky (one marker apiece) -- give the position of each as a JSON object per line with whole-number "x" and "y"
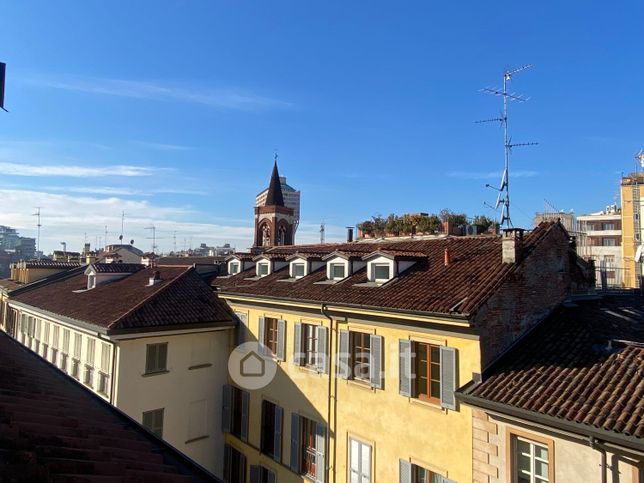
{"x": 171, "y": 111}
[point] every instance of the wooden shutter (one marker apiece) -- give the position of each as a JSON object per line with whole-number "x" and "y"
{"x": 271, "y": 476}
{"x": 448, "y": 377}
{"x": 297, "y": 345}
{"x": 255, "y": 474}
{"x": 277, "y": 441}
{"x": 163, "y": 356}
{"x": 281, "y": 339}
{"x": 244, "y": 421}
{"x": 261, "y": 335}
{"x": 228, "y": 462}
{"x": 405, "y": 471}
{"x": 295, "y": 442}
{"x": 404, "y": 368}
{"x": 375, "y": 364}
{"x": 322, "y": 358}
{"x": 226, "y": 409}
{"x": 320, "y": 451}
{"x": 344, "y": 370}
{"x": 242, "y": 468}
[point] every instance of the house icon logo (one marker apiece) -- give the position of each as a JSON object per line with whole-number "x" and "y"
{"x": 249, "y": 367}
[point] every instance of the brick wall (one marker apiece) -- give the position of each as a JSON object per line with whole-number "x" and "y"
{"x": 540, "y": 283}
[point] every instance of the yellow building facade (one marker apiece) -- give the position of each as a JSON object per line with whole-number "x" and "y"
{"x": 632, "y": 194}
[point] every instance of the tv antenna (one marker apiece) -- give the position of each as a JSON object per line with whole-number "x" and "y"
{"x": 37, "y": 213}
{"x": 322, "y": 230}
{"x": 503, "y": 198}
{"x": 122, "y": 225}
{"x": 154, "y": 236}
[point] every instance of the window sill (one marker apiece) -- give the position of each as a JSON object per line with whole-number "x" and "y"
{"x": 198, "y": 438}
{"x": 361, "y": 384}
{"x": 198, "y": 366}
{"x": 155, "y": 373}
{"x": 427, "y": 404}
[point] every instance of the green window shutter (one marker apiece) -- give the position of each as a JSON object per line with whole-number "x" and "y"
{"x": 448, "y": 377}
{"x": 344, "y": 371}
{"x": 320, "y": 449}
{"x": 261, "y": 335}
{"x": 244, "y": 421}
{"x": 404, "y": 368}
{"x": 405, "y": 472}
{"x": 297, "y": 345}
{"x": 277, "y": 442}
{"x": 375, "y": 365}
{"x": 151, "y": 357}
{"x": 281, "y": 339}
{"x": 295, "y": 443}
{"x": 226, "y": 409}
{"x": 163, "y": 357}
{"x": 255, "y": 474}
{"x": 322, "y": 358}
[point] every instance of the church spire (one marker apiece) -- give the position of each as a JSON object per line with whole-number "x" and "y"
{"x": 274, "y": 197}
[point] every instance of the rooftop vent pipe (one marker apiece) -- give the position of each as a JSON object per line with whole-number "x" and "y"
{"x": 156, "y": 278}
{"x": 349, "y": 234}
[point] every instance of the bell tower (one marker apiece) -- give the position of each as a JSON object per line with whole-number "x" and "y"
{"x": 275, "y": 223}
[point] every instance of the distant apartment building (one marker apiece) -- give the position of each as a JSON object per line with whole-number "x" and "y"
{"x": 600, "y": 240}
{"x": 632, "y": 194}
{"x": 567, "y": 219}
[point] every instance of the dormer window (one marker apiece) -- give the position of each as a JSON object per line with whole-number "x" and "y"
{"x": 337, "y": 271}
{"x": 91, "y": 282}
{"x": 381, "y": 272}
{"x": 233, "y": 268}
{"x": 298, "y": 270}
{"x": 262, "y": 269}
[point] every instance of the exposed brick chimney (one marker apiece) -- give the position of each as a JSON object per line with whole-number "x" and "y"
{"x": 446, "y": 261}
{"x": 512, "y": 245}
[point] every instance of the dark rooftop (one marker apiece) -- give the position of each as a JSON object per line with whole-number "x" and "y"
{"x": 53, "y": 429}
{"x": 117, "y": 267}
{"x": 274, "y": 197}
{"x": 186, "y": 261}
{"x": 583, "y": 365}
{"x": 50, "y": 264}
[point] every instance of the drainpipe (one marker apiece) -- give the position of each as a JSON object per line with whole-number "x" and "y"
{"x": 332, "y": 371}
{"x": 594, "y": 445}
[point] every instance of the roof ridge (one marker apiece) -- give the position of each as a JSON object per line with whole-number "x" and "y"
{"x": 150, "y": 297}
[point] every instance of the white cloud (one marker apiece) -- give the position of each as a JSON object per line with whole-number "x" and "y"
{"x": 490, "y": 174}
{"x": 74, "y": 171}
{"x": 163, "y": 146}
{"x": 217, "y": 98}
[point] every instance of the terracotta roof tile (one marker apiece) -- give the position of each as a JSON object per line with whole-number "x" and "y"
{"x": 117, "y": 267}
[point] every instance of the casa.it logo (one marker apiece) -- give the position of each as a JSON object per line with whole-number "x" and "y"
{"x": 249, "y": 367}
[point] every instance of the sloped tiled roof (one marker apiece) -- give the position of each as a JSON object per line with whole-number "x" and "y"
{"x": 53, "y": 429}
{"x": 583, "y": 365}
{"x": 117, "y": 267}
{"x": 181, "y": 297}
{"x": 190, "y": 260}
{"x": 50, "y": 264}
{"x": 474, "y": 272}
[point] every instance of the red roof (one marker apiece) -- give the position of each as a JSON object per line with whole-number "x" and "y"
{"x": 583, "y": 365}
{"x": 180, "y": 298}
{"x": 474, "y": 271}
{"x": 53, "y": 429}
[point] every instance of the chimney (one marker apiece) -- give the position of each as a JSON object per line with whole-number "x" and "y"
{"x": 446, "y": 261}
{"x": 349, "y": 234}
{"x": 156, "y": 278}
{"x": 512, "y": 245}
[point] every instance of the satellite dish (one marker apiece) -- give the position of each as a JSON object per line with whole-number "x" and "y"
{"x": 131, "y": 242}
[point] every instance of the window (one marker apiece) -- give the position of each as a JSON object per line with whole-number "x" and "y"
{"x": 309, "y": 333}
{"x": 360, "y": 355}
{"x": 380, "y": 272}
{"x": 78, "y": 339}
{"x": 297, "y": 270}
{"x": 427, "y": 362}
{"x": 359, "y": 462}
{"x": 530, "y": 461}
{"x": 417, "y": 474}
{"x": 233, "y": 268}
{"x": 89, "y": 376}
{"x": 609, "y": 242}
{"x": 608, "y": 226}
{"x": 45, "y": 340}
{"x": 235, "y": 411}
{"x": 307, "y": 438}
{"x": 242, "y": 328}
{"x": 270, "y": 334}
{"x": 156, "y": 358}
{"x": 262, "y": 269}
{"x": 153, "y": 421}
{"x": 234, "y": 465}
{"x": 271, "y": 440}
{"x": 337, "y": 271}
{"x": 260, "y": 474}
{"x": 91, "y": 282}
{"x": 91, "y": 347}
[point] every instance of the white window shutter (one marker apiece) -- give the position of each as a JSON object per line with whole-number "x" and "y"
{"x": 261, "y": 335}
{"x": 344, "y": 370}
{"x": 404, "y": 368}
{"x": 448, "y": 377}
{"x": 242, "y": 328}
{"x": 320, "y": 447}
{"x": 297, "y": 345}
{"x": 277, "y": 437}
{"x": 226, "y": 409}
{"x": 255, "y": 474}
{"x": 281, "y": 339}
{"x": 244, "y": 421}
{"x": 405, "y": 471}
{"x": 375, "y": 365}
{"x": 322, "y": 365}
{"x": 295, "y": 442}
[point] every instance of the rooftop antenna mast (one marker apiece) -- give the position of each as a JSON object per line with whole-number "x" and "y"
{"x": 37, "y": 213}
{"x": 154, "y": 237}
{"x": 322, "y": 230}
{"x": 122, "y": 225}
{"x": 503, "y": 198}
